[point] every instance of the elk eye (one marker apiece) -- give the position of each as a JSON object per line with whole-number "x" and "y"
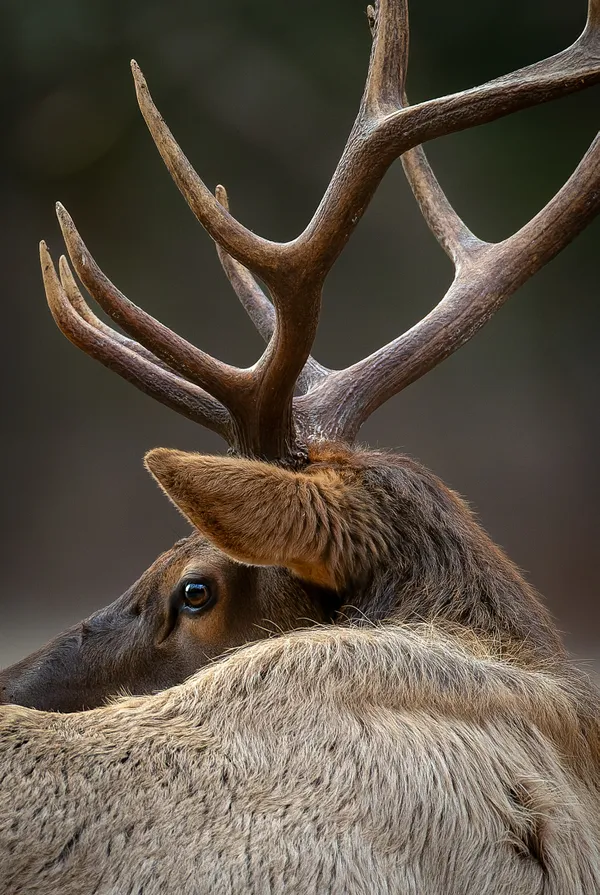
{"x": 197, "y": 596}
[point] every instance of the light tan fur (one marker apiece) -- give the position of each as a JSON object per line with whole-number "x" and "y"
{"x": 339, "y": 760}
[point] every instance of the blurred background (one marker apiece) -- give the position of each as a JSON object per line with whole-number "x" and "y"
{"x": 261, "y": 96}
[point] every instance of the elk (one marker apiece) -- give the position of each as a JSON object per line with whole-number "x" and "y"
{"x": 125, "y": 646}
{"x": 427, "y": 733}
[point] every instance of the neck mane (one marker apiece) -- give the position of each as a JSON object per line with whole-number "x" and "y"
{"x": 443, "y": 567}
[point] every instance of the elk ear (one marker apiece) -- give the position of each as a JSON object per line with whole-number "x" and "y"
{"x": 264, "y": 515}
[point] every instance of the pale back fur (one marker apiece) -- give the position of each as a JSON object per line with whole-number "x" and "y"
{"x": 381, "y": 759}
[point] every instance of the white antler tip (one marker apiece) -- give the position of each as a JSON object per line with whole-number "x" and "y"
{"x": 138, "y": 76}
{"x": 221, "y": 196}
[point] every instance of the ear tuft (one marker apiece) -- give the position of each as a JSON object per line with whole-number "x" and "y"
{"x": 175, "y": 473}
{"x": 163, "y": 464}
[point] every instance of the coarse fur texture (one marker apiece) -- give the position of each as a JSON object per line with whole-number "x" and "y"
{"x": 342, "y": 760}
{"x": 381, "y": 530}
{"x": 432, "y": 738}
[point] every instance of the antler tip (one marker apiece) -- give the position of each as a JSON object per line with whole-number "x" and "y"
{"x": 48, "y": 272}
{"x": 221, "y": 196}
{"x": 62, "y": 214}
{"x": 138, "y": 77}
{"x": 67, "y": 225}
{"x": 67, "y": 279}
{"x": 45, "y": 257}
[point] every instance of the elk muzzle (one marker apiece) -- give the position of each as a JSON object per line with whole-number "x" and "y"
{"x": 110, "y": 652}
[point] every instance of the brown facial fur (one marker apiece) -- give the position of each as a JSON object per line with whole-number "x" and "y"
{"x": 356, "y": 536}
{"x": 145, "y": 641}
{"x": 380, "y": 529}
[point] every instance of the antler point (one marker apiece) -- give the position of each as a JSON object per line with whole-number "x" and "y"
{"x": 221, "y": 196}
{"x": 138, "y": 77}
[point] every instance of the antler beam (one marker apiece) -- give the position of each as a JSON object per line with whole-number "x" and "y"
{"x": 259, "y": 308}
{"x": 487, "y": 276}
{"x": 263, "y": 418}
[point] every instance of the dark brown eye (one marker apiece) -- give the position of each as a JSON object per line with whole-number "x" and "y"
{"x": 197, "y": 596}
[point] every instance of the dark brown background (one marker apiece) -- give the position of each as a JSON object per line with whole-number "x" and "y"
{"x": 261, "y": 95}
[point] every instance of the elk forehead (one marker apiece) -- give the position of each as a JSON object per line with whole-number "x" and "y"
{"x": 165, "y": 573}
{"x": 196, "y": 554}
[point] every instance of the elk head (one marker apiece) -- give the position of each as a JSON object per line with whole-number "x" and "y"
{"x": 297, "y": 526}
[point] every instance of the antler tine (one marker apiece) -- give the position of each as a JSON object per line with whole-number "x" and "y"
{"x": 593, "y": 20}
{"x": 450, "y": 231}
{"x": 220, "y": 379}
{"x": 104, "y": 345}
{"x": 253, "y": 299}
{"x": 448, "y": 228}
{"x": 386, "y": 76}
{"x": 253, "y": 251}
{"x": 81, "y": 307}
{"x": 259, "y": 308}
{"x": 345, "y": 400}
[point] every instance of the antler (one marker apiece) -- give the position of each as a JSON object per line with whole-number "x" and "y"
{"x": 254, "y": 409}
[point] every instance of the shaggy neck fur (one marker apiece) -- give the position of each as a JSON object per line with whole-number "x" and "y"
{"x": 438, "y": 564}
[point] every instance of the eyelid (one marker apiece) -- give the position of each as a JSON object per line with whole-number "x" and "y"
{"x": 192, "y": 587}
{"x": 196, "y": 576}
